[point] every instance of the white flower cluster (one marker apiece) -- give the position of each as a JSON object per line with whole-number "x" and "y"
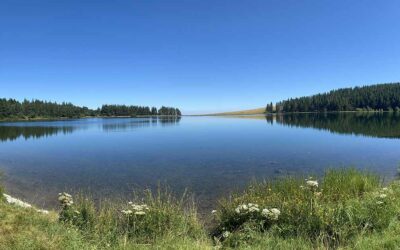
{"x": 249, "y": 208}
{"x": 65, "y": 199}
{"x": 136, "y": 209}
{"x": 226, "y": 234}
{"x": 312, "y": 183}
{"x": 383, "y": 194}
{"x": 272, "y": 214}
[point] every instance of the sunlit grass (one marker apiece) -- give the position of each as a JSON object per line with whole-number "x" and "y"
{"x": 345, "y": 204}
{"x": 343, "y": 209}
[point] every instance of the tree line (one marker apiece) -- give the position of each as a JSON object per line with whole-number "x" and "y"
{"x": 379, "y": 97}
{"x": 382, "y": 125}
{"x": 123, "y": 110}
{"x": 13, "y": 109}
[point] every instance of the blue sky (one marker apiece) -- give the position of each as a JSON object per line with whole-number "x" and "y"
{"x": 201, "y": 56}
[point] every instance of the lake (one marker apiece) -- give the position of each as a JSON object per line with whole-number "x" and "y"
{"x": 209, "y": 156}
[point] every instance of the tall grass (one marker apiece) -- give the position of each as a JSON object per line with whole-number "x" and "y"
{"x": 1, "y": 187}
{"x": 345, "y": 209}
{"x": 345, "y": 205}
{"x": 164, "y": 217}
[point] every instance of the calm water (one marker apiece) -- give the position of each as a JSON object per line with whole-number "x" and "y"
{"x": 209, "y": 155}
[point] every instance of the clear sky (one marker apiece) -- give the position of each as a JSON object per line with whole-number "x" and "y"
{"x": 198, "y": 55}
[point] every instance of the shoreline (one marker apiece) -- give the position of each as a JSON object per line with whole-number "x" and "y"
{"x": 283, "y": 113}
{"x": 270, "y": 214}
{"x": 39, "y": 119}
{"x": 78, "y": 118}
{"x": 22, "y": 204}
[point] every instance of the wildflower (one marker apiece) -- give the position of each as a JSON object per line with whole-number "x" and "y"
{"x": 276, "y": 212}
{"x": 213, "y": 211}
{"x": 226, "y": 234}
{"x": 312, "y": 184}
{"x": 301, "y": 187}
{"x": 382, "y": 196}
{"x": 379, "y": 202}
{"x": 140, "y": 213}
{"x": 127, "y": 212}
{"x": 385, "y": 189}
{"x": 242, "y": 209}
{"x": 65, "y": 199}
{"x": 265, "y": 212}
{"x": 43, "y": 211}
{"x": 138, "y": 208}
{"x": 272, "y": 214}
{"x": 253, "y": 207}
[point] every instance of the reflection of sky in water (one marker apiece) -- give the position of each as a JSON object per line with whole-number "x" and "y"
{"x": 209, "y": 155}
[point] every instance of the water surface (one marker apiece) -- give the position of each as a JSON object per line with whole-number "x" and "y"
{"x": 210, "y": 156}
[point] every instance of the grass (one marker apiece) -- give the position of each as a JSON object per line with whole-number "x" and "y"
{"x": 344, "y": 209}
{"x": 168, "y": 224}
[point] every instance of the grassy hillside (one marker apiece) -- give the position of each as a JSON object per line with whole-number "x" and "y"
{"x": 345, "y": 209}
{"x": 257, "y": 111}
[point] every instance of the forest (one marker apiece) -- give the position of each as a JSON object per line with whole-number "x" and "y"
{"x": 379, "y": 125}
{"x": 123, "y": 110}
{"x": 36, "y": 109}
{"x": 379, "y": 97}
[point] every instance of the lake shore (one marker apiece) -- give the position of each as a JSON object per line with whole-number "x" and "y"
{"x": 75, "y": 118}
{"x": 243, "y": 113}
{"x": 344, "y": 209}
{"x": 236, "y": 113}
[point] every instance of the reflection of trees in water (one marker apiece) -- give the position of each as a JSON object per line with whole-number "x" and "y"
{"x": 169, "y": 120}
{"x": 385, "y": 125}
{"x": 11, "y": 133}
{"x": 120, "y": 125}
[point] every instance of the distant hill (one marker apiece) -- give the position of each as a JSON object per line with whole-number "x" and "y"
{"x": 378, "y": 97}
{"x": 257, "y": 111}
